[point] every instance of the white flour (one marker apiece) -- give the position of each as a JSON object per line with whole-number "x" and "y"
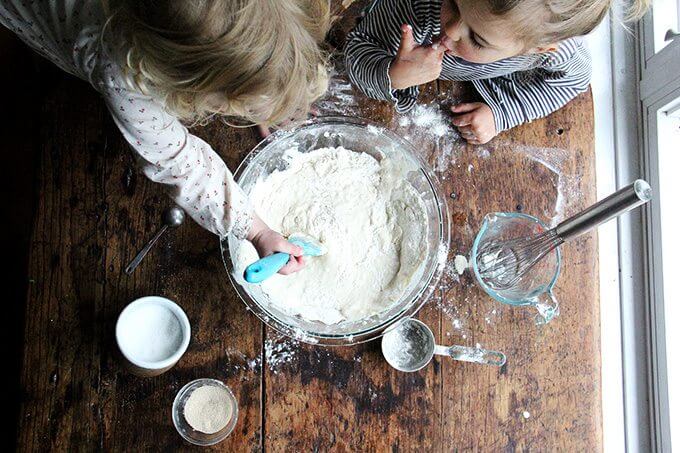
{"x": 370, "y": 219}
{"x": 460, "y": 262}
{"x": 429, "y": 117}
{"x": 429, "y": 128}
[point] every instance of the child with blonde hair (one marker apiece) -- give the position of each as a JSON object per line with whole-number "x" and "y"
{"x": 524, "y": 57}
{"x": 161, "y": 65}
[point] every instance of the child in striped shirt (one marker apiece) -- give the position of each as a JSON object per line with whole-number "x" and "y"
{"x": 524, "y": 57}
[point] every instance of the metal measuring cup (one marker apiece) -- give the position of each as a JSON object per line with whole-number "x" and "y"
{"x": 410, "y": 347}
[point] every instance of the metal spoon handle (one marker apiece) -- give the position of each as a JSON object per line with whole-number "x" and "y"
{"x": 142, "y": 253}
{"x": 474, "y": 355}
{"x": 614, "y": 205}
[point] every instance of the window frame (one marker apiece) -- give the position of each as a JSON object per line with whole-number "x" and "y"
{"x": 641, "y": 93}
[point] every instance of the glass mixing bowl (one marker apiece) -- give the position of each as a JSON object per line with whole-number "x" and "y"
{"x": 362, "y": 136}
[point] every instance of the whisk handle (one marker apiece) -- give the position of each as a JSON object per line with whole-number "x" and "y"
{"x": 621, "y": 201}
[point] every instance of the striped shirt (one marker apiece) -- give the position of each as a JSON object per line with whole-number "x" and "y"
{"x": 518, "y": 89}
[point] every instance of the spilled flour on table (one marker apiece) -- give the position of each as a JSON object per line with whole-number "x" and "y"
{"x": 430, "y": 118}
{"x": 280, "y": 355}
{"x": 339, "y": 99}
{"x": 279, "y": 351}
{"x": 429, "y": 127}
{"x": 484, "y": 153}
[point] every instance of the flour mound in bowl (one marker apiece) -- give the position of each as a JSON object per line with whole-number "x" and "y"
{"x": 371, "y": 220}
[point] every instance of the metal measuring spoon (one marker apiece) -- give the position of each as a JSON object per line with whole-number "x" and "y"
{"x": 410, "y": 347}
{"x": 171, "y": 217}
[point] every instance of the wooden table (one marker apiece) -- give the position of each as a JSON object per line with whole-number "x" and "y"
{"x": 92, "y": 212}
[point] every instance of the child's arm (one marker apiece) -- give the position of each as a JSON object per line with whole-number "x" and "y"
{"x": 194, "y": 174}
{"x": 196, "y": 177}
{"x": 375, "y": 43}
{"x": 524, "y": 96}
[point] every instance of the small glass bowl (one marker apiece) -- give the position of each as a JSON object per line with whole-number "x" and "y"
{"x": 184, "y": 428}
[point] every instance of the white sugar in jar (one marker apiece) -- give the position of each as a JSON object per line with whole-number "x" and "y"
{"x": 152, "y": 334}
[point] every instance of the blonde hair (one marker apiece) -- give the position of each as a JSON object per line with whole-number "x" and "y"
{"x": 541, "y": 22}
{"x": 260, "y": 60}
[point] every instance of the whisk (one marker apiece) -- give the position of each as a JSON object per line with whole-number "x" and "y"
{"x": 502, "y": 264}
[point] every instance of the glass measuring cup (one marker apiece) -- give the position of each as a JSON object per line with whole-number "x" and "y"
{"x": 536, "y": 287}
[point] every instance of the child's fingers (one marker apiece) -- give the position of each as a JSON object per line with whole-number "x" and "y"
{"x": 288, "y": 247}
{"x": 479, "y": 139}
{"x": 407, "y": 42}
{"x": 437, "y": 54}
{"x": 465, "y": 107}
{"x": 473, "y": 139}
{"x": 294, "y": 264}
{"x": 263, "y": 131}
{"x": 438, "y": 49}
{"x": 467, "y": 133}
{"x": 469, "y": 136}
{"x": 463, "y": 120}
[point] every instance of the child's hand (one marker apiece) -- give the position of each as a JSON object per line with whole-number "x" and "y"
{"x": 414, "y": 64}
{"x": 267, "y": 241}
{"x": 474, "y": 121}
{"x": 263, "y": 131}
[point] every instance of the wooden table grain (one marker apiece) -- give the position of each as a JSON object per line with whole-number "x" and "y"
{"x": 93, "y": 211}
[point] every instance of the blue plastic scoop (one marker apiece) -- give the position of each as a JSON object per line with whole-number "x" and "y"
{"x": 265, "y": 267}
